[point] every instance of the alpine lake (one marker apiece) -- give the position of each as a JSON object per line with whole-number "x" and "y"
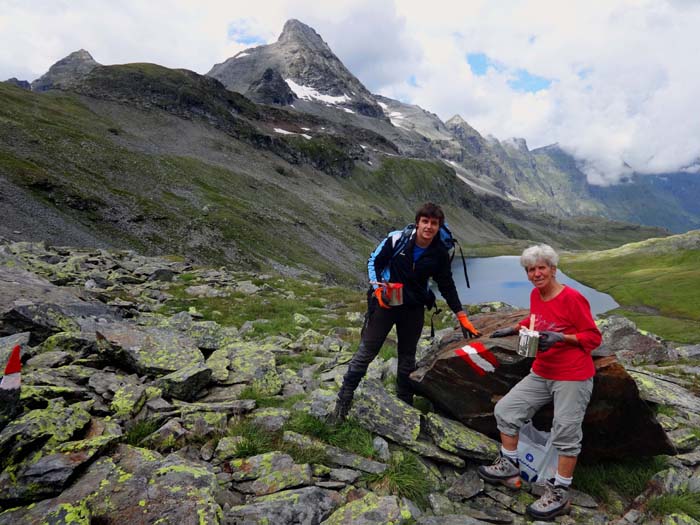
{"x": 503, "y": 279}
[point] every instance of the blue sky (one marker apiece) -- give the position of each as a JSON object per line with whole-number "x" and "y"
{"x": 240, "y": 32}
{"x": 522, "y": 80}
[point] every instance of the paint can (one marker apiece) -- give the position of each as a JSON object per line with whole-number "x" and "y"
{"x": 395, "y": 293}
{"x": 527, "y": 342}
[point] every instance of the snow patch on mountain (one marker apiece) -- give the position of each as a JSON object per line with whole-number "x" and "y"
{"x": 285, "y": 132}
{"x": 309, "y": 93}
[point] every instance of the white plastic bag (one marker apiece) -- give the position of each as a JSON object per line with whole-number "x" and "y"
{"x": 538, "y": 457}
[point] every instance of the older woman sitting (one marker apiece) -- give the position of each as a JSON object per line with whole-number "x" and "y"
{"x": 562, "y": 372}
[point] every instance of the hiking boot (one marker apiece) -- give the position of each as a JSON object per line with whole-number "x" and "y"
{"x": 503, "y": 471}
{"x": 340, "y": 412}
{"x": 554, "y": 502}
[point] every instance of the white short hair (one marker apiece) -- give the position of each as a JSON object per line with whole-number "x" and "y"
{"x": 541, "y": 252}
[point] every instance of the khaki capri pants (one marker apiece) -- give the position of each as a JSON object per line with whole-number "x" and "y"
{"x": 532, "y": 393}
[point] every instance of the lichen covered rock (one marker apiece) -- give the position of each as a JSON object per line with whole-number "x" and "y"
{"x": 384, "y": 414}
{"x": 186, "y": 382}
{"x": 305, "y": 505}
{"x": 134, "y": 486}
{"x": 371, "y": 510}
{"x": 147, "y": 350}
{"x": 456, "y": 438}
{"x": 41, "y": 428}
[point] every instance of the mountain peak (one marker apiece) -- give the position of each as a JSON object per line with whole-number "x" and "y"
{"x": 458, "y": 123}
{"x": 296, "y": 32}
{"x": 457, "y": 120}
{"x": 467, "y": 136}
{"x": 518, "y": 143}
{"x": 309, "y": 67}
{"x": 80, "y": 54}
{"x": 66, "y": 71}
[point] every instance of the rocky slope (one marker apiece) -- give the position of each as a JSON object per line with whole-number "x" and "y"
{"x": 146, "y": 397}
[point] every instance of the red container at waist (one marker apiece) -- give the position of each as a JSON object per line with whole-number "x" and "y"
{"x": 395, "y": 293}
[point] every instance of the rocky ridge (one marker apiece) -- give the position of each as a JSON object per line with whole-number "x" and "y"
{"x": 139, "y": 406}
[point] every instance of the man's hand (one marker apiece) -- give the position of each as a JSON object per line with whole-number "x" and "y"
{"x": 504, "y": 332}
{"x": 382, "y": 297}
{"x": 549, "y": 339}
{"x": 468, "y": 329}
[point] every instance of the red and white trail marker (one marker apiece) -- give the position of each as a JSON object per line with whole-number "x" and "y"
{"x": 478, "y": 357}
{"x": 13, "y": 372}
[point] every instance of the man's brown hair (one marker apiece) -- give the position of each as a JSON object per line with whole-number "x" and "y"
{"x": 431, "y": 210}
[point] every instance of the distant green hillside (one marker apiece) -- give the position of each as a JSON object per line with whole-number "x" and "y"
{"x": 168, "y": 161}
{"x": 656, "y": 282}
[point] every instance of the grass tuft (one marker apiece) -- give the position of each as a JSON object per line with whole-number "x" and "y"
{"x": 303, "y": 455}
{"x": 405, "y": 477}
{"x": 626, "y": 478}
{"x": 140, "y": 430}
{"x": 666, "y": 410}
{"x": 348, "y": 435}
{"x": 255, "y": 439}
{"x": 668, "y": 504}
{"x": 297, "y": 361}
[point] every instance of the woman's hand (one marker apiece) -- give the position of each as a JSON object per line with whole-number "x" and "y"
{"x": 504, "y": 332}
{"x": 549, "y": 339}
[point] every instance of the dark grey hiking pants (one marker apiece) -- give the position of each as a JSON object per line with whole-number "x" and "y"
{"x": 378, "y": 323}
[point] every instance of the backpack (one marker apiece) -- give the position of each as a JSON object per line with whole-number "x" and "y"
{"x": 448, "y": 241}
{"x": 446, "y": 237}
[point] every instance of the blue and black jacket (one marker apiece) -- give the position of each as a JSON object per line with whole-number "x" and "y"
{"x": 383, "y": 265}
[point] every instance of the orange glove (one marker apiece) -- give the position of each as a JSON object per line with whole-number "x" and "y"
{"x": 382, "y": 297}
{"x": 468, "y": 329}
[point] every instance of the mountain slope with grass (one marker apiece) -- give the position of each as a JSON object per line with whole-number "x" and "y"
{"x": 656, "y": 282}
{"x": 168, "y": 161}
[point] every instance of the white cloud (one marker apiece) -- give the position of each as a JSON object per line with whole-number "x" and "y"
{"x": 625, "y": 72}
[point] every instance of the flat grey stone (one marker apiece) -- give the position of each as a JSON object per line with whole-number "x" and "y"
{"x": 309, "y": 505}
{"x": 336, "y": 455}
{"x": 466, "y": 486}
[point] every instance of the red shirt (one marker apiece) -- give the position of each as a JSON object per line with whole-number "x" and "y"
{"x": 569, "y": 313}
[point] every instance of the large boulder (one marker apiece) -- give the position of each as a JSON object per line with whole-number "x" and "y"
{"x": 147, "y": 350}
{"x": 618, "y": 422}
{"x": 630, "y": 346}
{"x": 135, "y": 486}
{"x": 306, "y": 505}
{"x": 185, "y": 383}
{"x": 29, "y": 303}
{"x": 47, "y": 475}
{"x": 371, "y": 510}
{"x": 41, "y": 429}
{"x": 384, "y": 414}
{"x": 246, "y": 362}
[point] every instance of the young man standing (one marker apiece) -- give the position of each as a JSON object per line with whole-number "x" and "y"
{"x": 423, "y": 257}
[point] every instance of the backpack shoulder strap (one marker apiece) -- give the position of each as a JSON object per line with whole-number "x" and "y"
{"x": 400, "y": 239}
{"x": 450, "y": 242}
